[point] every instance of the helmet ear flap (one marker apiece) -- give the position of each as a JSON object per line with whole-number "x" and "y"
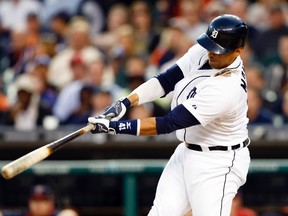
{"x": 225, "y": 33}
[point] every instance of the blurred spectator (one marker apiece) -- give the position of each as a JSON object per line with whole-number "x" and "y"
{"x": 162, "y": 11}
{"x": 68, "y": 100}
{"x": 83, "y": 111}
{"x": 266, "y": 43}
{"x": 240, "y": 9}
{"x": 58, "y": 25}
{"x": 34, "y": 29}
{"x": 145, "y": 33}
{"x": 41, "y": 202}
{"x": 190, "y": 18}
{"x": 277, "y": 74}
{"x": 19, "y": 53}
{"x": 48, "y": 94}
{"x": 285, "y": 107}
{"x": 238, "y": 208}
{"x": 120, "y": 52}
{"x": 13, "y": 13}
{"x": 90, "y": 9}
{"x": 27, "y": 112}
{"x": 180, "y": 44}
{"x": 59, "y": 73}
{"x": 258, "y": 13}
{"x": 44, "y": 48}
{"x": 163, "y": 52}
{"x": 23, "y": 49}
{"x": 4, "y": 41}
{"x": 213, "y": 9}
{"x": 117, "y": 17}
{"x": 4, "y": 103}
{"x": 255, "y": 78}
{"x": 258, "y": 114}
{"x": 93, "y": 11}
{"x": 100, "y": 75}
{"x": 100, "y": 101}
{"x": 168, "y": 46}
{"x": 248, "y": 56}
{"x": 68, "y": 212}
{"x": 135, "y": 71}
{"x": 96, "y": 73}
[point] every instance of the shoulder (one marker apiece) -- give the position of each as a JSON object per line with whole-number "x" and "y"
{"x": 197, "y": 51}
{"x": 224, "y": 82}
{"x": 193, "y": 58}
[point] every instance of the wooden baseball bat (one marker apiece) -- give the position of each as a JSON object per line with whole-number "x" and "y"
{"x": 26, "y": 161}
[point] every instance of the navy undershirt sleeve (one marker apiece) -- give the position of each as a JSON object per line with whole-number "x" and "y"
{"x": 169, "y": 78}
{"x": 178, "y": 118}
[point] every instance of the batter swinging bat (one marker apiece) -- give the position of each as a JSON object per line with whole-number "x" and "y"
{"x": 21, "y": 164}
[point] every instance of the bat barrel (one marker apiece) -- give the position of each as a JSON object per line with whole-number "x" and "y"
{"x": 17, "y": 166}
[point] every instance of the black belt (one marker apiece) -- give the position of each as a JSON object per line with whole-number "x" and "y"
{"x": 218, "y": 148}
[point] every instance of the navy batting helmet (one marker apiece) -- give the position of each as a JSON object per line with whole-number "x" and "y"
{"x": 225, "y": 33}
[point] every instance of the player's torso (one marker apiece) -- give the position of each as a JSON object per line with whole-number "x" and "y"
{"x": 184, "y": 88}
{"x": 227, "y": 129}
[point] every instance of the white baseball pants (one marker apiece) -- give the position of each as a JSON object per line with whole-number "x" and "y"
{"x": 205, "y": 182}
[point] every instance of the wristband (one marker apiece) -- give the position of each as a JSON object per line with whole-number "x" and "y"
{"x": 131, "y": 127}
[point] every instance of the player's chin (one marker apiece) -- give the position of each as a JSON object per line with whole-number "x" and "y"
{"x": 214, "y": 64}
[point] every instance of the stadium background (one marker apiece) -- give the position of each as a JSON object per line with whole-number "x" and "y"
{"x": 51, "y": 52}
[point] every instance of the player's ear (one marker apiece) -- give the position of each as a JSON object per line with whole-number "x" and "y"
{"x": 238, "y": 50}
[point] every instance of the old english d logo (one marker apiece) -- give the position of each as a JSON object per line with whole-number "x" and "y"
{"x": 214, "y": 33}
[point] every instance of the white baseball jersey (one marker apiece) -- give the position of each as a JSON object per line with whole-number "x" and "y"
{"x": 228, "y": 96}
{"x": 206, "y": 181}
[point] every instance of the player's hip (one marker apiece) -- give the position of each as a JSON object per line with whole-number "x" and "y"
{"x": 216, "y": 163}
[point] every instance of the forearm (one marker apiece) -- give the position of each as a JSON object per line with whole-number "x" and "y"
{"x": 178, "y": 118}
{"x": 156, "y": 87}
{"x": 147, "y": 92}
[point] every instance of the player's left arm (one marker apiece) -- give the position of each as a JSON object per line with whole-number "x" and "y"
{"x": 160, "y": 86}
{"x": 178, "y": 118}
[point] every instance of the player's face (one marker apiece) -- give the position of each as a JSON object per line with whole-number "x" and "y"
{"x": 219, "y": 61}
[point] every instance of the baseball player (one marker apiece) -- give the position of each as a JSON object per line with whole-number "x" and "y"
{"x": 208, "y": 113}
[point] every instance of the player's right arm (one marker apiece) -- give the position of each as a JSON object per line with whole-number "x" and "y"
{"x": 177, "y": 118}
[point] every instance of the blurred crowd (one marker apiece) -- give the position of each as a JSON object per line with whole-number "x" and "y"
{"x": 62, "y": 61}
{"x": 41, "y": 201}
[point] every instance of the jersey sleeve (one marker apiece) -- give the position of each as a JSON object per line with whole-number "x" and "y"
{"x": 186, "y": 64}
{"x": 192, "y": 59}
{"x": 210, "y": 102}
